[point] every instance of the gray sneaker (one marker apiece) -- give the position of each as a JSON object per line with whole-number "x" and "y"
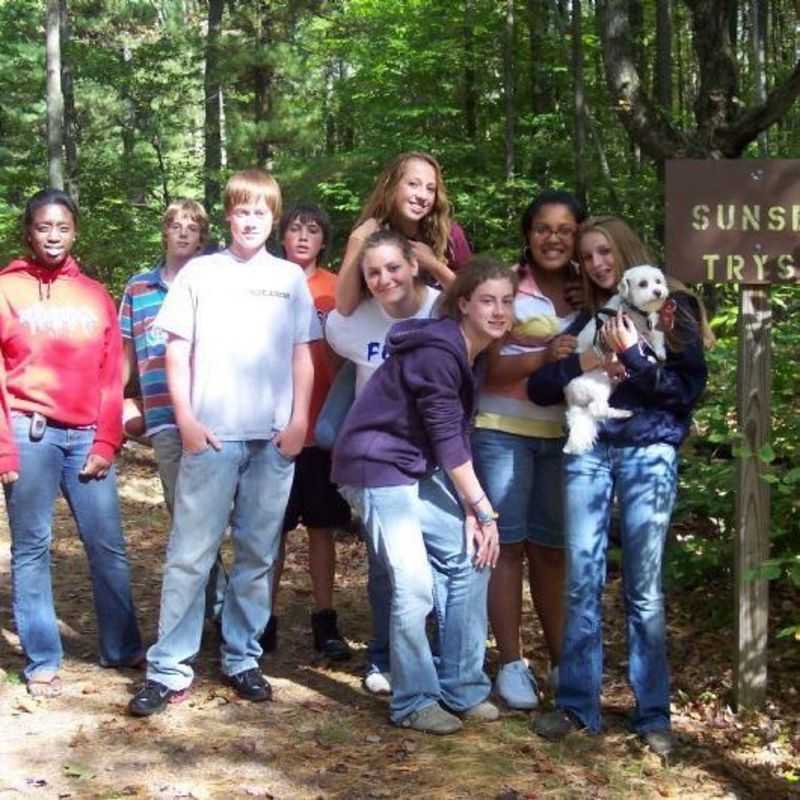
{"x": 432, "y": 719}
{"x": 555, "y": 725}
{"x": 482, "y": 712}
{"x": 660, "y": 742}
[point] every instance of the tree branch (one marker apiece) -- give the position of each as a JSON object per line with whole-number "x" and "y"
{"x": 643, "y": 120}
{"x": 758, "y": 118}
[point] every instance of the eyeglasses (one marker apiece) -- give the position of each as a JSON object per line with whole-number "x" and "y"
{"x": 564, "y": 232}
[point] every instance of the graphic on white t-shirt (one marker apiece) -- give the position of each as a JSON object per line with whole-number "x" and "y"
{"x": 361, "y": 337}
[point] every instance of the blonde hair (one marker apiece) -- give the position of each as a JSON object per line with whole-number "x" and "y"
{"x": 626, "y": 247}
{"x": 691, "y": 321}
{"x": 434, "y": 228}
{"x": 186, "y": 207}
{"x": 248, "y": 186}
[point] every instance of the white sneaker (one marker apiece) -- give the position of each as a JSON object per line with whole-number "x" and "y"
{"x": 516, "y": 686}
{"x": 378, "y": 683}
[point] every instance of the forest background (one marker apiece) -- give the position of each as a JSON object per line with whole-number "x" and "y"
{"x": 164, "y": 98}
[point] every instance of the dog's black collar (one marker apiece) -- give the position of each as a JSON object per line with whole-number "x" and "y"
{"x": 604, "y": 313}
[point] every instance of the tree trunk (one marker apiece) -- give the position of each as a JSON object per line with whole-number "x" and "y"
{"x": 263, "y": 84}
{"x": 580, "y": 107}
{"x": 758, "y": 42}
{"x": 538, "y": 23}
{"x": 162, "y": 168}
{"x": 129, "y": 126}
{"x": 662, "y": 74}
{"x": 662, "y": 80}
{"x": 329, "y": 110}
{"x": 711, "y": 38}
{"x": 70, "y": 127}
{"x": 346, "y": 127}
{"x": 470, "y": 91}
{"x": 55, "y": 99}
{"x": 508, "y": 88}
{"x": 213, "y": 106}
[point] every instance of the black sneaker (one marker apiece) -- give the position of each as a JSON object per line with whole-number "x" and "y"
{"x": 153, "y": 698}
{"x": 555, "y": 725}
{"x": 327, "y": 639}
{"x": 250, "y": 685}
{"x": 269, "y": 639}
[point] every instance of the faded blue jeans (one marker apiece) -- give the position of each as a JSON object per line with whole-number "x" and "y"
{"x": 254, "y": 478}
{"x": 48, "y": 467}
{"x": 168, "y": 448}
{"x": 644, "y": 479}
{"x": 419, "y": 561}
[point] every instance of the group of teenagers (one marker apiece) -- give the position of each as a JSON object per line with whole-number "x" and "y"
{"x": 275, "y": 392}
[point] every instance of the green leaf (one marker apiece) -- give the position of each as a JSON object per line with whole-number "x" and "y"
{"x": 766, "y": 453}
{"x": 792, "y": 476}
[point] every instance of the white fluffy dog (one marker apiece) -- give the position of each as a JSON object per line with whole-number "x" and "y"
{"x": 640, "y": 294}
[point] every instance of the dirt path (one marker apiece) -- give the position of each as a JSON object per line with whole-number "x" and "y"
{"x": 323, "y": 737}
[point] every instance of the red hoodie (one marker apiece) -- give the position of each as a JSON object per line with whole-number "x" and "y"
{"x": 62, "y": 353}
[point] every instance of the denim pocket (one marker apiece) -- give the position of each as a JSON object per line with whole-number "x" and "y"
{"x": 188, "y": 453}
{"x": 286, "y": 459}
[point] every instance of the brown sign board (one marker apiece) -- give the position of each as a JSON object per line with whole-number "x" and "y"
{"x": 733, "y": 221}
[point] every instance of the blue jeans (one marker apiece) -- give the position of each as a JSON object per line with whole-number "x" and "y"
{"x": 522, "y": 477}
{"x": 168, "y": 448}
{"x": 48, "y": 466}
{"x": 254, "y": 478}
{"x": 644, "y": 479}
{"x": 419, "y": 561}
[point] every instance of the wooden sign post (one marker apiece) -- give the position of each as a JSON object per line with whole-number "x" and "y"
{"x": 752, "y": 496}
{"x": 739, "y": 222}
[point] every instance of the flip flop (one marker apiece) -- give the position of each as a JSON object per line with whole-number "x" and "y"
{"x": 45, "y": 687}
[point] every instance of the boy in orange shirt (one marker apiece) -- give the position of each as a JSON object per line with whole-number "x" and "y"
{"x": 305, "y": 233}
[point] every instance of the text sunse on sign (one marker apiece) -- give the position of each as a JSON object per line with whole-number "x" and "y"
{"x": 733, "y": 220}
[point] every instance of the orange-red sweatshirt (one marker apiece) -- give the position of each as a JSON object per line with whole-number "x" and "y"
{"x": 62, "y": 353}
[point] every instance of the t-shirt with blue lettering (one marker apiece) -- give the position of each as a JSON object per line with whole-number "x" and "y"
{"x": 243, "y": 319}
{"x": 141, "y": 302}
{"x": 361, "y": 337}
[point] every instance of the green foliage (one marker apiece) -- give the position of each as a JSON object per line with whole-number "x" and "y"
{"x": 706, "y": 501}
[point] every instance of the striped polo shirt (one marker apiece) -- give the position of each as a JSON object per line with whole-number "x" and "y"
{"x": 141, "y": 302}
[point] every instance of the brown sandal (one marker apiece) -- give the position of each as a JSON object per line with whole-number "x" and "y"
{"x": 45, "y": 686}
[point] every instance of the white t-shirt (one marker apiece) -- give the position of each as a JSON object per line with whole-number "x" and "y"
{"x": 243, "y": 319}
{"x": 361, "y": 337}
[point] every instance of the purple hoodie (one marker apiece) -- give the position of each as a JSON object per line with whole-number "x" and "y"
{"x": 415, "y": 412}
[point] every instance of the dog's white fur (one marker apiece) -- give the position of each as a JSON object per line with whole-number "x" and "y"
{"x": 642, "y": 289}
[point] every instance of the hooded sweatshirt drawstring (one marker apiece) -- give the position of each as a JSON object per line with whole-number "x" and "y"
{"x": 44, "y": 295}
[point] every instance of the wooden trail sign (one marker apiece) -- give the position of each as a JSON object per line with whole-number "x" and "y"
{"x": 739, "y": 222}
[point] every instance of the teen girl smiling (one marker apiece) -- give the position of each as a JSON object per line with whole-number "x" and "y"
{"x": 517, "y": 446}
{"x": 634, "y": 460}
{"x": 404, "y": 459}
{"x": 62, "y": 370}
{"x": 410, "y": 198}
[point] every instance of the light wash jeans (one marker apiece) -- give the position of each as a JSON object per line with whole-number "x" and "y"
{"x": 168, "y": 449}
{"x": 254, "y": 478}
{"x": 644, "y": 479}
{"x": 48, "y": 466}
{"x": 419, "y": 561}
